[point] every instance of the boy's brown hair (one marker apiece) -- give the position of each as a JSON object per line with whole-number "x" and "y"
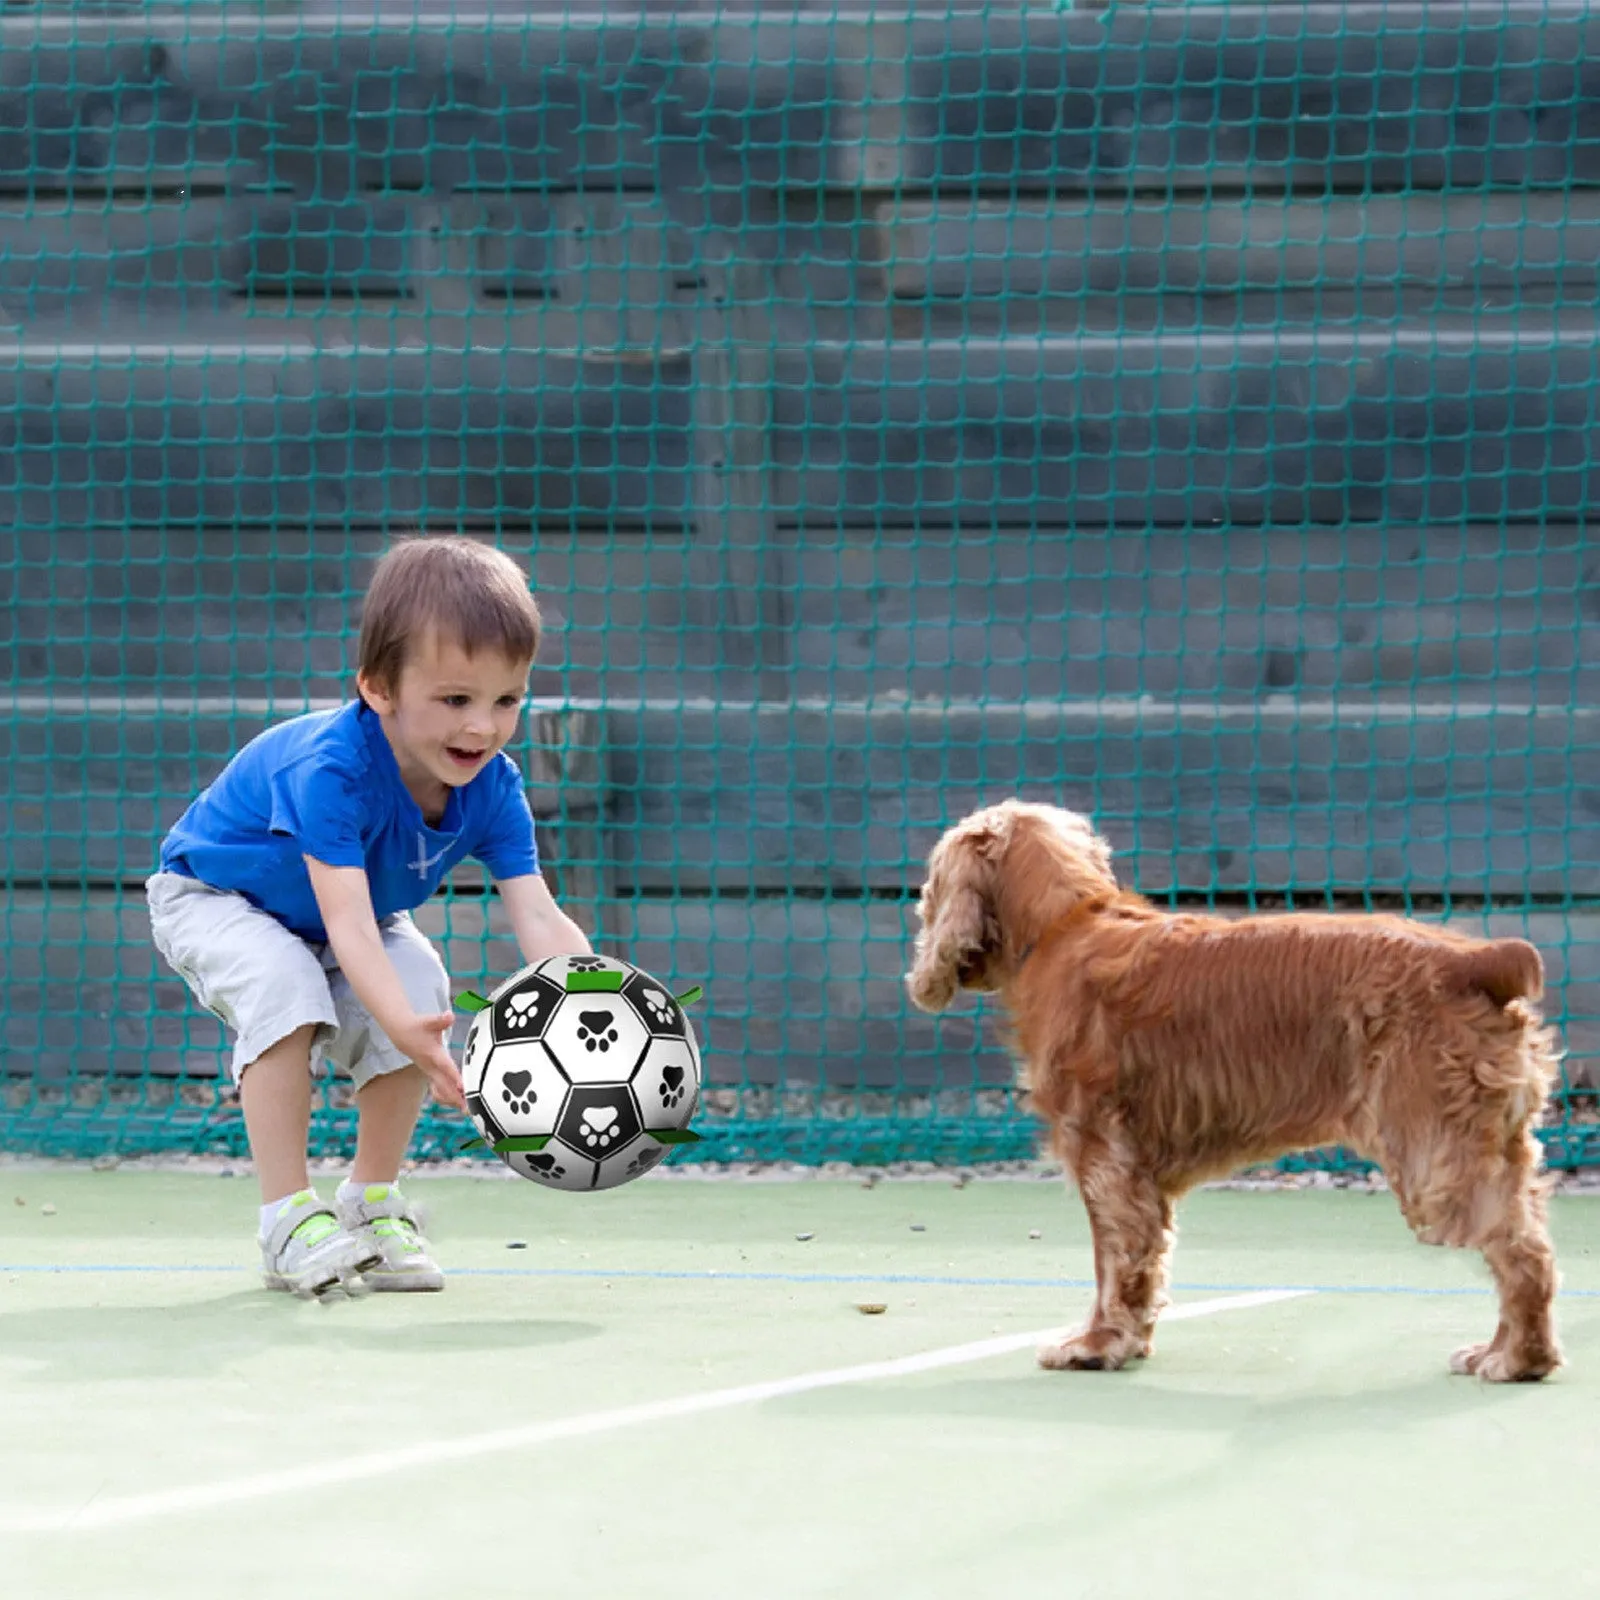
{"x": 468, "y": 593}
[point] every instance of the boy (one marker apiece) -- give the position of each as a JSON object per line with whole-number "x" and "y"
{"x": 284, "y": 895}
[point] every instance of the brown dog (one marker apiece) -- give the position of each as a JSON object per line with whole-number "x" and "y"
{"x": 1165, "y": 1050}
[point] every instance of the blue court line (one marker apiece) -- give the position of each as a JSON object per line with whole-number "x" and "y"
{"x": 713, "y": 1274}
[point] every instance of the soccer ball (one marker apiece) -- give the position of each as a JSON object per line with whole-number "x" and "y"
{"x": 588, "y": 1066}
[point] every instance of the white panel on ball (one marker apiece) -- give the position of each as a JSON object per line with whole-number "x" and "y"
{"x": 522, "y": 1089}
{"x": 597, "y": 1038}
{"x": 667, "y": 1084}
{"x": 555, "y": 1167}
{"x": 630, "y": 1162}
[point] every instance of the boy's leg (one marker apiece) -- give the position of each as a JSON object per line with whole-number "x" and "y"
{"x": 370, "y": 1204}
{"x": 275, "y": 1093}
{"x": 390, "y": 1092}
{"x": 387, "y": 1107}
{"x": 304, "y": 1247}
{"x": 265, "y": 985}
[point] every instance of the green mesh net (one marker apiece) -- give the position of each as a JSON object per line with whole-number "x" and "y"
{"x": 1182, "y": 414}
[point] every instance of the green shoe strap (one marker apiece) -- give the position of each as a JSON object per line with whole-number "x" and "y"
{"x": 305, "y": 1217}
{"x": 316, "y": 1227}
{"x": 401, "y": 1228}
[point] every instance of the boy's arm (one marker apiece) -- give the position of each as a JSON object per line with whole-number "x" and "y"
{"x": 542, "y": 928}
{"x": 345, "y": 901}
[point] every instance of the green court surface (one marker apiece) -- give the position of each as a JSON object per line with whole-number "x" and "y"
{"x": 668, "y": 1392}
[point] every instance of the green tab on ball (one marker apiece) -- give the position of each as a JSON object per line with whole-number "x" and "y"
{"x": 594, "y": 983}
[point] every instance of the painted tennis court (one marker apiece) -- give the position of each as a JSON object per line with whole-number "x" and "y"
{"x": 669, "y": 1390}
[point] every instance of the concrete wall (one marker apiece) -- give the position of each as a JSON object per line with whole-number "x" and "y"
{"x": 1185, "y": 414}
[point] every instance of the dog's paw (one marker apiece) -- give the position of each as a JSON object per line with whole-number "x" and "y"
{"x": 1499, "y": 1365}
{"x": 1093, "y": 1350}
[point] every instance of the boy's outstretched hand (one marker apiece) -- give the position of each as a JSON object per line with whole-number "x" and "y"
{"x": 423, "y": 1041}
{"x": 345, "y": 899}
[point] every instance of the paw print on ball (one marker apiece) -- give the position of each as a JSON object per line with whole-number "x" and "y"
{"x": 485, "y": 1119}
{"x": 654, "y": 1007}
{"x": 474, "y": 1057}
{"x": 645, "y": 1159}
{"x": 598, "y": 1118}
{"x": 523, "y": 1011}
{"x": 597, "y": 1030}
{"x": 517, "y": 1090}
{"x": 599, "y": 1124}
{"x": 586, "y": 964}
{"x": 672, "y": 1086}
{"x": 546, "y": 1165}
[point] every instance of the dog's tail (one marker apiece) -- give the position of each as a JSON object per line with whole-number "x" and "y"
{"x": 1503, "y": 969}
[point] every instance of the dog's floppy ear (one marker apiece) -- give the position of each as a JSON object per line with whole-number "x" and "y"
{"x": 958, "y": 926}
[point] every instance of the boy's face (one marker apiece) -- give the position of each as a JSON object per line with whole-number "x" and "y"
{"x": 449, "y": 714}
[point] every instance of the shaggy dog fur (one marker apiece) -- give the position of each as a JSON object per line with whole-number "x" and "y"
{"x": 1165, "y": 1050}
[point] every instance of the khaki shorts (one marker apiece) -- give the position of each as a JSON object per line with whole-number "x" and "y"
{"x": 246, "y": 968}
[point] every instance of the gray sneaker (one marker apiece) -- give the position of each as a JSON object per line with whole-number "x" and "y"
{"x": 382, "y": 1219}
{"x": 307, "y": 1252}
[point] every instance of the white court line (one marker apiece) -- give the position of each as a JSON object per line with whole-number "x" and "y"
{"x": 292, "y": 1480}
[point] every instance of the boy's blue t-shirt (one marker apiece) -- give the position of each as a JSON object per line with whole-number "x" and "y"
{"x": 327, "y": 785}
